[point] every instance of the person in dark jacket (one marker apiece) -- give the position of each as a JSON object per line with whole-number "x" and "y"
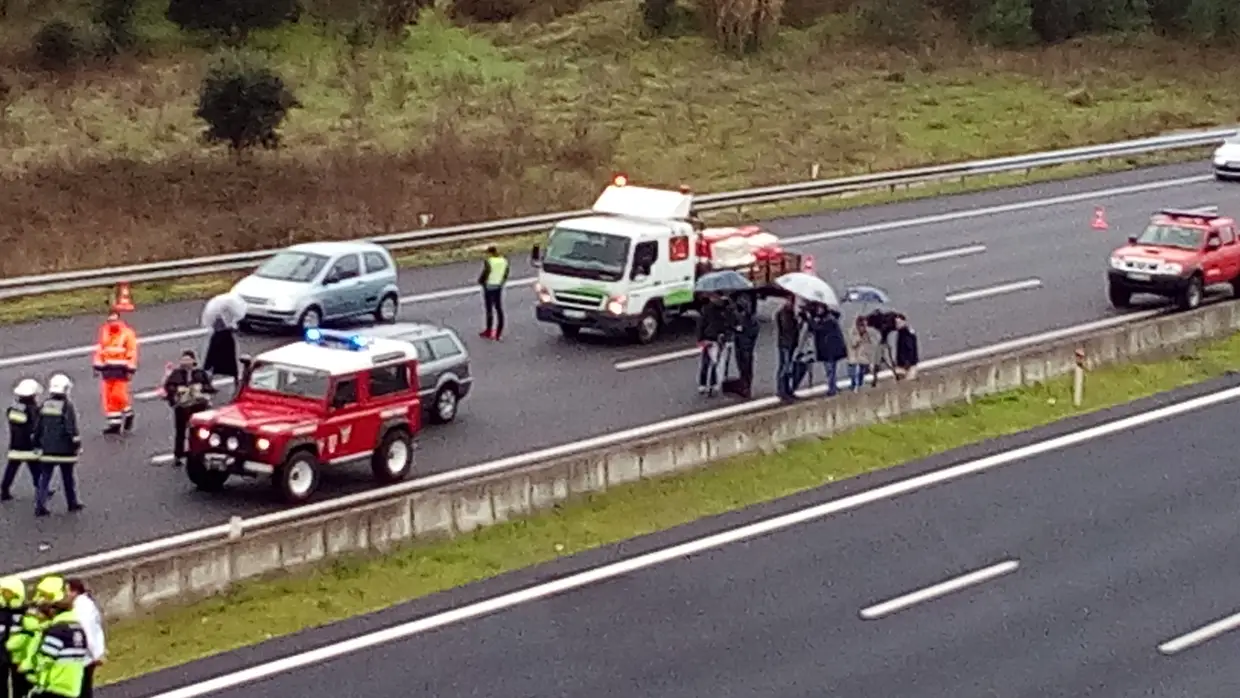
{"x": 788, "y": 335}
{"x": 59, "y": 442}
{"x": 829, "y": 343}
{"x": 221, "y": 356}
{"x": 717, "y": 323}
{"x": 747, "y": 331}
{"x": 23, "y": 417}
{"x": 908, "y": 353}
{"x": 188, "y": 390}
{"x": 883, "y": 322}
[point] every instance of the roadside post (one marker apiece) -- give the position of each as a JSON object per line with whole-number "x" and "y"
{"x": 1078, "y": 379}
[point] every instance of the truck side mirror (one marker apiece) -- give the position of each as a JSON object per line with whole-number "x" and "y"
{"x": 1214, "y": 243}
{"x": 536, "y": 256}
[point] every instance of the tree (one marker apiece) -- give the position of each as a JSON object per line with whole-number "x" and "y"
{"x": 59, "y": 45}
{"x": 116, "y": 17}
{"x": 244, "y": 105}
{"x": 233, "y": 19}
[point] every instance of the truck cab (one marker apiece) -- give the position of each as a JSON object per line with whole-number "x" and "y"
{"x": 622, "y": 270}
{"x": 1179, "y": 255}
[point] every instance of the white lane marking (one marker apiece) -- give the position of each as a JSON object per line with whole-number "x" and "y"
{"x": 976, "y": 294}
{"x": 1009, "y": 345}
{"x": 993, "y": 210}
{"x": 941, "y": 589}
{"x": 162, "y": 459}
{"x": 1200, "y": 635}
{"x": 25, "y": 359}
{"x": 941, "y": 254}
{"x": 693, "y": 547}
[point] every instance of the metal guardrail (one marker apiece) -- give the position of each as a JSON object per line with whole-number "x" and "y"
{"x": 238, "y": 527}
{"x": 156, "y": 271}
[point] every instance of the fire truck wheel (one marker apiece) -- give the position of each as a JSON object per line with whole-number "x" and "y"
{"x": 297, "y": 479}
{"x": 393, "y": 460}
{"x": 203, "y": 478}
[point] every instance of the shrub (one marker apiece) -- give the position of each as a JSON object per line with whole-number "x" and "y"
{"x": 491, "y": 11}
{"x": 1212, "y": 19}
{"x": 657, "y": 15}
{"x": 243, "y": 104}
{"x": 233, "y": 19}
{"x": 893, "y": 22}
{"x": 59, "y": 45}
{"x": 395, "y": 15}
{"x": 116, "y": 17}
{"x": 742, "y": 26}
{"x": 1004, "y": 23}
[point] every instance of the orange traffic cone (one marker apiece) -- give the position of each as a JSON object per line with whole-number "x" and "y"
{"x": 124, "y": 301}
{"x": 1100, "y": 219}
{"x": 807, "y": 264}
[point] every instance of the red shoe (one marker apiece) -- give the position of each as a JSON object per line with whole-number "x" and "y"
{"x": 486, "y": 334}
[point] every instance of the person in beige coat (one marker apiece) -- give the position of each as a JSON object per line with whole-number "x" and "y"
{"x": 863, "y": 351}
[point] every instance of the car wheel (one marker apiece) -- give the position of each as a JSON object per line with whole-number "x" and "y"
{"x": 298, "y": 477}
{"x": 388, "y": 309}
{"x": 444, "y": 408}
{"x": 1119, "y": 296}
{"x": 203, "y": 477}
{"x": 648, "y": 325}
{"x": 312, "y": 317}
{"x": 1190, "y": 297}
{"x": 570, "y": 331}
{"x": 393, "y": 459}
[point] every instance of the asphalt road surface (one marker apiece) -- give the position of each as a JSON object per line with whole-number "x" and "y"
{"x": 1085, "y": 563}
{"x": 970, "y": 270}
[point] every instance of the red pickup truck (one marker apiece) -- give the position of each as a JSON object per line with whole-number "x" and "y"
{"x": 1180, "y": 255}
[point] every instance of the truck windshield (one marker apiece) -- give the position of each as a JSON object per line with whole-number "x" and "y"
{"x": 1172, "y": 236}
{"x": 587, "y": 255}
{"x": 293, "y": 381}
{"x": 292, "y": 266}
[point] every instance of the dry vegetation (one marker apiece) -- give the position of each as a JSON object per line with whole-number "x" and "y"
{"x": 105, "y": 166}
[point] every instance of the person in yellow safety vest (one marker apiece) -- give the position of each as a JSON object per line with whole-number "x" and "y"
{"x": 116, "y": 360}
{"x": 492, "y": 279}
{"x": 15, "y": 630}
{"x": 58, "y": 664}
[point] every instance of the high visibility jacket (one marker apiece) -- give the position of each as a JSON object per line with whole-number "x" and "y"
{"x": 494, "y": 272}
{"x": 23, "y": 417}
{"x": 61, "y": 658}
{"x": 116, "y": 353}
{"x": 59, "y": 439}
{"x": 24, "y": 627}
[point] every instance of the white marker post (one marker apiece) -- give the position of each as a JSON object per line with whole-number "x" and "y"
{"x": 1078, "y": 379}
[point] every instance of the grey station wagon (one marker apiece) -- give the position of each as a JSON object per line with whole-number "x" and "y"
{"x": 444, "y": 377}
{"x": 317, "y": 282}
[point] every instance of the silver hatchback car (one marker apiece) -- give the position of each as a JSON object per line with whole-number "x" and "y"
{"x": 306, "y": 285}
{"x": 444, "y": 376}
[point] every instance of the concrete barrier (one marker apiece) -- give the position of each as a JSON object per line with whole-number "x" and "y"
{"x": 211, "y": 567}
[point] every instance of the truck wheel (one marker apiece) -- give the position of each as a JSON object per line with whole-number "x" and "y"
{"x": 203, "y": 477}
{"x": 570, "y": 331}
{"x": 1190, "y": 297}
{"x": 297, "y": 478}
{"x": 648, "y": 325}
{"x": 393, "y": 459}
{"x": 1119, "y": 296}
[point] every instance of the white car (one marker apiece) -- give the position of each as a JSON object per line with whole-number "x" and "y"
{"x": 1227, "y": 159}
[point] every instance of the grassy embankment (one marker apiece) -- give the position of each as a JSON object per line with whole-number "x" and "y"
{"x": 105, "y": 166}
{"x": 348, "y": 588}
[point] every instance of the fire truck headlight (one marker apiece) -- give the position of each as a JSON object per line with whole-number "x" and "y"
{"x": 263, "y": 444}
{"x": 203, "y": 433}
{"x": 214, "y": 440}
{"x": 233, "y": 443}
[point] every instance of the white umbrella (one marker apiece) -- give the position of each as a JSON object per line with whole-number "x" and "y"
{"x": 227, "y": 309}
{"x": 808, "y": 287}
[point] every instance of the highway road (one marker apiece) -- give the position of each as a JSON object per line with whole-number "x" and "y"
{"x": 970, "y": 270}
{"x": 1089, "y": 570}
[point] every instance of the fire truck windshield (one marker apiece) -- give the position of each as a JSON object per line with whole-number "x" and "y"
{"x": 293, "y": 381}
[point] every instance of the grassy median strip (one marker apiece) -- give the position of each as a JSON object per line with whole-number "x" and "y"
{"x": 260, "y": 610}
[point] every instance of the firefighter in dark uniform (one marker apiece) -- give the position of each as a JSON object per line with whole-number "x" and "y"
{"x": 59, "y": 443}
{"x": 23, "y": 417}
{"x": 15, "y": 631}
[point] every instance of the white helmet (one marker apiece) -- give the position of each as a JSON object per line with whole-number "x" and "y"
{"x": 59, "y": 384}
{"x": 27, "y": 387}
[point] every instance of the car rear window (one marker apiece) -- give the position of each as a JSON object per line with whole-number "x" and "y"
{"x": 375, "y": 262}
{"x": 444, "y": 347}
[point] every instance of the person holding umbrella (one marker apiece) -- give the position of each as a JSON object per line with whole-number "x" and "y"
{"x": 829, "y": 345}
{"x": 817, "y": 294}
{"x": 747, "y": 331}
{"x": 223, "y": 315}
{"x": 718, "y": 326}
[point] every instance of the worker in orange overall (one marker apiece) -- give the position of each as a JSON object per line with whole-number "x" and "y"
{"x": 116, "y": 360}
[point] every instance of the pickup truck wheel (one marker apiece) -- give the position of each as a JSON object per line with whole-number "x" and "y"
{"x": 1119, "y": 296}
{"x": 1190, "y": 297}
{"x": 570, "y": 331}
{"x": 203, "y": 477}
{"x": 393, "y": 459}
{"x": 297, "y": 478}
{"x": 648, "y": 325}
